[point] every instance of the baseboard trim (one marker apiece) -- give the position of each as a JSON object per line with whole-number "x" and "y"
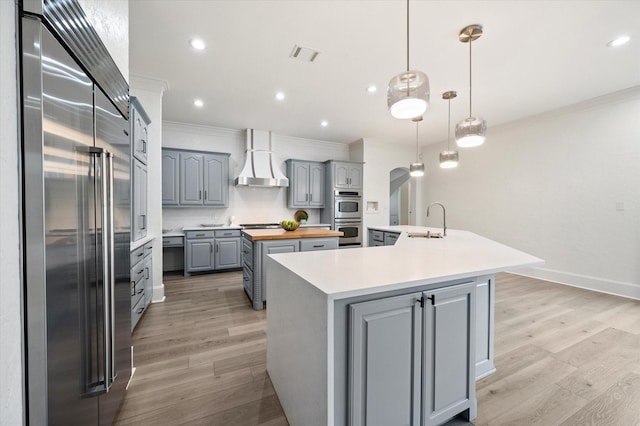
{"x": 616, "y": 288}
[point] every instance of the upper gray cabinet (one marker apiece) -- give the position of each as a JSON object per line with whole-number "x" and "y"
{"x": 194, "y": 179}
{"x": 139, "y": 123}
{"x": 170, "y": 178}
{"x": 140, "y": 130}
{"x": 306, "y": 184}
{"x": 346, "y": 175}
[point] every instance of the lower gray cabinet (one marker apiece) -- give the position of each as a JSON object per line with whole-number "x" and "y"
{"x": 385, "y": 358}
{"x": 141, "y": 281}
{"x": 485, "y": 296}
{"x": 199, "y": 254}
{"x": 382, "y": 238}
{"x": 411, "y": 357}
{"x": 228, "y": 248}
{"x": 448, "y": 372}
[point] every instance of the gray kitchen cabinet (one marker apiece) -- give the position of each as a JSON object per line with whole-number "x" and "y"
{"x": 170, "y": 177}
{"x": 199, "y": 251}
{"x": 411, "y": 357}
{"x": 385, "y": 347}
{"x": 346, "y": 175}
{"x": 306, "y": 184}
{"x": 139, "y": 130}
{"x": 141, "y": 281}
{"x": 390, "y": 238}
{"x": 382, "y": 238}
{"x": 216, "y": 180}
{"x": 203, "y": 179}
{"x": 148, "y": 273}
{"x": 228, "y": 249}
{"x": 191, "y": 178}
{"x": 139, "y": 198}
{"x": 139, "y": 122}
{"x": 316, "y": 244}
{"x": 448, "y": 371}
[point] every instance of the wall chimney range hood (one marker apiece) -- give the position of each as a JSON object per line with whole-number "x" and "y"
{"x": 259, "y": 169}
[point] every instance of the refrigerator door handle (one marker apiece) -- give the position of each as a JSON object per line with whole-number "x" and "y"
{"x": 106, "y": 269}
{"x": 112, "y": 280}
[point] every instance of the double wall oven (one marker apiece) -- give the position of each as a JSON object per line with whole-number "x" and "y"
{"x": 348, "y": 217}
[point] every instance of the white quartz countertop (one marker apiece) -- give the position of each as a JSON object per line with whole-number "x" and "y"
{"x": 410, "y": 262}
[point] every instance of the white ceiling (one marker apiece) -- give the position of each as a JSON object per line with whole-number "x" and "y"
{"x": 534, "y": 56}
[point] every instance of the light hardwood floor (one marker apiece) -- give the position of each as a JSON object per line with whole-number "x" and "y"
{"x": 564, "y": 356}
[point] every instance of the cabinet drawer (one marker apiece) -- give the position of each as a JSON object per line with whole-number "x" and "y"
{"x": 312, "y": 244}
{"x": 137, "y": 293}
{"x": 148, "y": 247}
{"x": 390, "y": 238}
{"x": 172, "y": 241}
{"x": 247, "y": 253}
{"x": 137, "y": 272}
{"x": 377, "y": 236}
{"x": 227, "y": 233}
{"x": 247, "y": 281}
{"x": 200, "y": 234}
{"x": 136, "y": 313}
{"x": 137, "y": 255}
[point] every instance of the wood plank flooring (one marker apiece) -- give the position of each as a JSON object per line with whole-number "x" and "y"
{"x": 564, "y": 356}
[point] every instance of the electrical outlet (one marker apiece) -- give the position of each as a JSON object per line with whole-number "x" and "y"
{"x": 620, "y": 206}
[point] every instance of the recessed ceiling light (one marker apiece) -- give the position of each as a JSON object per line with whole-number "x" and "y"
{"x": 619, "y": 41}
{"x": 280, "y": 96}
{"x": 324, "y": 123}
{"x": 197, "y": 44}
{"x": 372, "y": 89}
{"x": 198, "y": 103}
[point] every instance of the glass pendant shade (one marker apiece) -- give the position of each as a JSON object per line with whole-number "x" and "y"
{"x": 471, "y": 132}
{"x": 408, "y": 94}
{"x": 448, "y": 159}
{"x": 416, "y": 169}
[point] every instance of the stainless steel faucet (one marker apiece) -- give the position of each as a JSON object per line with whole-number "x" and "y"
{"x": 444, "y": 217}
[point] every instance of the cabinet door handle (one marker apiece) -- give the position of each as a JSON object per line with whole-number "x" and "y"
{"x": 228, "y": 233}
{"x": 318, "y": 246}
{"x": 217, "y": 247}
{"x": 147, "y": 273}
{"x": 199, "y": 195}
{"x": 205, "y": 194}
{"x": 310, "y": 197}
{"x": 141, "y": 290}
{"x": 200, "y": 235}
{"x": 141, "y": 271}
{"x": 144, "y": 146}
{"x": 141, "y": 254}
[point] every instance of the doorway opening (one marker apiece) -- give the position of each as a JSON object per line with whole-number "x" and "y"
{"x": 402, "y": 197}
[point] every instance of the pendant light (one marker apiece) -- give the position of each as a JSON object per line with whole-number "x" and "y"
{"x": 416, "y": 169}
{"x": 449, "y": 158}
{"x": 472, "y": 130}
{"x": 408, "y": 92}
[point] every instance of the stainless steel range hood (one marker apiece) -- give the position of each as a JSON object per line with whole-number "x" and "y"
{"x": 259, "y": 168}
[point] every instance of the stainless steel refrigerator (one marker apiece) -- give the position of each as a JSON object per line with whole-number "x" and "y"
{"x": 76, "y": 217}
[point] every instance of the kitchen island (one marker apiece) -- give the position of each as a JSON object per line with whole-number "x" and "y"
{"x": 257, "y": 244}
{"x": 381, "y": 335}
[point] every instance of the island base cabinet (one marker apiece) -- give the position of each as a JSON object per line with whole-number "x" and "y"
{"x": 412, "y": 358}
{"x": 385, "y": 347}
{"x": 485, "y": 302}
{"x": 448, "y": 372}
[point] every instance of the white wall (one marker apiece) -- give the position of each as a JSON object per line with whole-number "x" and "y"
{"x": 246, "y": 204}
{"x": 379, "y": 159}
{"x": 563, "y": 186}
{"x": 11, "y": 403}
{"x": 149, "y": 92}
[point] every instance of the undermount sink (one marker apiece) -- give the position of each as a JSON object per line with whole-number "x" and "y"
{"x": 427, "y": 234}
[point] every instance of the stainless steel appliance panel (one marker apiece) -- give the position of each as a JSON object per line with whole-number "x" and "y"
{"x": 347, "y": 205}
{"x": 352, "y": 231}
{"x": 77, "y": 265}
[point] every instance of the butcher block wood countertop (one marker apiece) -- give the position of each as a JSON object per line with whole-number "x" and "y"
{"x": 281, "y": 234}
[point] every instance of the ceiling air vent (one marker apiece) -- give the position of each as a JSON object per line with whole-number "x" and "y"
{"x": 304, "y": 53}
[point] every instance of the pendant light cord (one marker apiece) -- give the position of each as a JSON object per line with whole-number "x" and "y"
{"x": 407, "y": 35}
{"x": 470, "y": 89}
{"x": 449, "y": 127}
{"x": 417, "y": 141}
